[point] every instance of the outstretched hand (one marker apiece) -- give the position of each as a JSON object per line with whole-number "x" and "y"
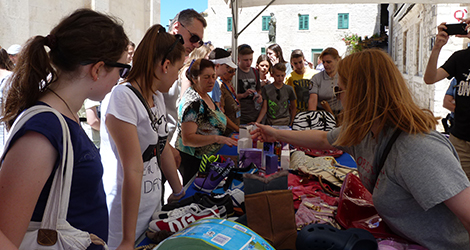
{"x": 227, "y": 141}
{"x": 264, "y": 133}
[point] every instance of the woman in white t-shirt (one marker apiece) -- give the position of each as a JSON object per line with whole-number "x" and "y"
{"x": 138, "y": 138}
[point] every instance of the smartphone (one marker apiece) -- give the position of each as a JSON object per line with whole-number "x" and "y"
{"x": 456, "y": 29}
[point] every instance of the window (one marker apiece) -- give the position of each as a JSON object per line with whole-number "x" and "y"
{"x": 265, "y": 23}
{"x": 229, "y": 23}
{"x": 303, "y": 22}
{"x": 343, "y": 21}
{"x": 419, "y": 50}
{"x": 315, "y": 55}
{"x": 405, "y": 36}
{"x": 263, "y": 51}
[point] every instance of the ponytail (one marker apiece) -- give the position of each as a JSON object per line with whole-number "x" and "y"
{"x": 84, "y": 36}
{"x": 32, "y": 74}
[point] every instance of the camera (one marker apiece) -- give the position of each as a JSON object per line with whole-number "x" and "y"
{"x": 456, "y": 29}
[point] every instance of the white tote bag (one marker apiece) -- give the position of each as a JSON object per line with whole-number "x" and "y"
{"x": 54, "y": 232}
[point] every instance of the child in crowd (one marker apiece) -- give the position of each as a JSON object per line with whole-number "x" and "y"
{"x": 249, "y": 86}
{"x": 278, "y": 99}
{"x": 264, "y": 66}
{"x": 299, "y": 79}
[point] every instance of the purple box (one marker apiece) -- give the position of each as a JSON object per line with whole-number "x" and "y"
{"x": 271, "y": 163}
{"x": 250, "y": 155}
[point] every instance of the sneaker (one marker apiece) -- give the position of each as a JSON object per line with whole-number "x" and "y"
{"x": 223, "y": 203}
{"x": 217, "y": 172}
{"x": 207, "y": 160}
{"x": 181, "y": 217}
{"x": 235, "y": 178}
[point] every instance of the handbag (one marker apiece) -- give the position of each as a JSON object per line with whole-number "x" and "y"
{"x": 54, "y": 232}
{"x": 314, "y": 119}
{"x": 356, "y": 209}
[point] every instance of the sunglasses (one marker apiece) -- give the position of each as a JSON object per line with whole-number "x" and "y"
{"x": 180, "y": 39}
{"x": 231, "y": 71}
{"x": 337, "y": 91}
{"x": 194, "y": 38}
{"x": 124, "y": 68}
{"x": 278, "y": 94}
{"x": 123, "y": 71}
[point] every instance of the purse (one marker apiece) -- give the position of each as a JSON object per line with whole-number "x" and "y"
{"x": 355, "y": 207}
{"x": 54, "y": 232}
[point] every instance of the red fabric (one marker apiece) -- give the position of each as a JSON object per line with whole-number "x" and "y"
{"x": 356, "y": 210}
{"x": 317, "y": 152}
{"x": 311, "y": 188}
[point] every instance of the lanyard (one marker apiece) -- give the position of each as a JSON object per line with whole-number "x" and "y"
{"x": 231, "y": 90}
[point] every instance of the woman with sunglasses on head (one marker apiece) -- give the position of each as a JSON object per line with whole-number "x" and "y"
{"x": 137, "y": 133}
{"x": 421, "y": 192}
{"x": 322, "y": 93}
{"x": 86, "y": 52}
{"x": 201, "y": 124}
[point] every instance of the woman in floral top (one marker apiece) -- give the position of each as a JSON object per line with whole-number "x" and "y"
{"x": 201, "y": 124}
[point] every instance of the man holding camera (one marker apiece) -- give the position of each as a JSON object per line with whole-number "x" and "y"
{"x": 458, "y": 66}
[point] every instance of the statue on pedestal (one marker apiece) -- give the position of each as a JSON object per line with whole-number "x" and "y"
{"x": 272, "y": 29}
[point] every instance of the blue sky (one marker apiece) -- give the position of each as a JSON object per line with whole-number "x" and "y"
{"x": 169, "y": 8}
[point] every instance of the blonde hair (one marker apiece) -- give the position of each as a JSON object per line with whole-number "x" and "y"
{"x": 377, "y": 92}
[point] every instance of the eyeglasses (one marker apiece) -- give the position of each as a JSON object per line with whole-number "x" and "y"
{"x": 337, "y": 91}
{"x": 194, "y": 38}
{"x": 180, "y": 39}
{"x": 278, "y": 94}
{"x": 123, "y": 71}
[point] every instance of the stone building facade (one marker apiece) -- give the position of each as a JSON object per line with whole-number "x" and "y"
{"x": 22, "y": 19}
{"x": 309, "y": 27}
{"x": 413, "y": 29}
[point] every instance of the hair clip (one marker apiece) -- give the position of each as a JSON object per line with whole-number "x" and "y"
{"x": 191, "y": 65}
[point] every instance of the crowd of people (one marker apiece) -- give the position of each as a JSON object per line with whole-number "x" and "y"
{"x": 162, "y": 106}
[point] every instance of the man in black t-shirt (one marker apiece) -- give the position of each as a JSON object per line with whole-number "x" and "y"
{"x": 458, "y": 66}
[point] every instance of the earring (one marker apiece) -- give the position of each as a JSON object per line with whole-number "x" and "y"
{"x": 166, "y": 72}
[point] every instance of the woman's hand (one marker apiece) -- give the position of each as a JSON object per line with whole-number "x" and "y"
{"x": 226, "y": 140}
{"x": 173, "y": 197}
{"x": 264, "y": 133}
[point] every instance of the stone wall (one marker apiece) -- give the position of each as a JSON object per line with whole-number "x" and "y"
{"x": 414, "y": 31}
{"x": 323, "y": 29}
{"x": 22, "y": 19}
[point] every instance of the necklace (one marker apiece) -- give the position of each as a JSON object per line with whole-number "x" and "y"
{"x": 71, "y": 112}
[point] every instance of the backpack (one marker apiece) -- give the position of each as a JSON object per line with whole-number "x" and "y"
{"x": 315, "y": 119}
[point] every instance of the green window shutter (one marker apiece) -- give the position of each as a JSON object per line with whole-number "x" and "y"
{"x": 343, "y": 21}
{"x": 229, "y": 23}
{"x": 263, "y": 51}
{"x": 265, "y": 23}
{"x": 303, "y": 22}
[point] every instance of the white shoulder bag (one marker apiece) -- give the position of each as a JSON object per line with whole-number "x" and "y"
{"x": 54, "y": 232}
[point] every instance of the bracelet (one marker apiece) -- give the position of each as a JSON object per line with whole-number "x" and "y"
{"x": 179, "y": 193}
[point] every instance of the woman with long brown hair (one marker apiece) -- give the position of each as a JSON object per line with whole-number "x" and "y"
{"x": 136, "y": 129}
{"x": 421, "y": 192}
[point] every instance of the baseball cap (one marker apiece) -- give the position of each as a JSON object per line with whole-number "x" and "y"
{"x": 221, "y": 56}
{"x": 14, "y": 49}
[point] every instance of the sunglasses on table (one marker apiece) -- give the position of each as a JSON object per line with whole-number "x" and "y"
{"x": 194, "y": 38}
{"x": 337, "y": 91}
{"x": 123, "y": 71}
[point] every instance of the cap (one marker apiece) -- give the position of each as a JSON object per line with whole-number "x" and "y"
{"x": 14, "y": 49}
{"x": 225, "y": 60}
